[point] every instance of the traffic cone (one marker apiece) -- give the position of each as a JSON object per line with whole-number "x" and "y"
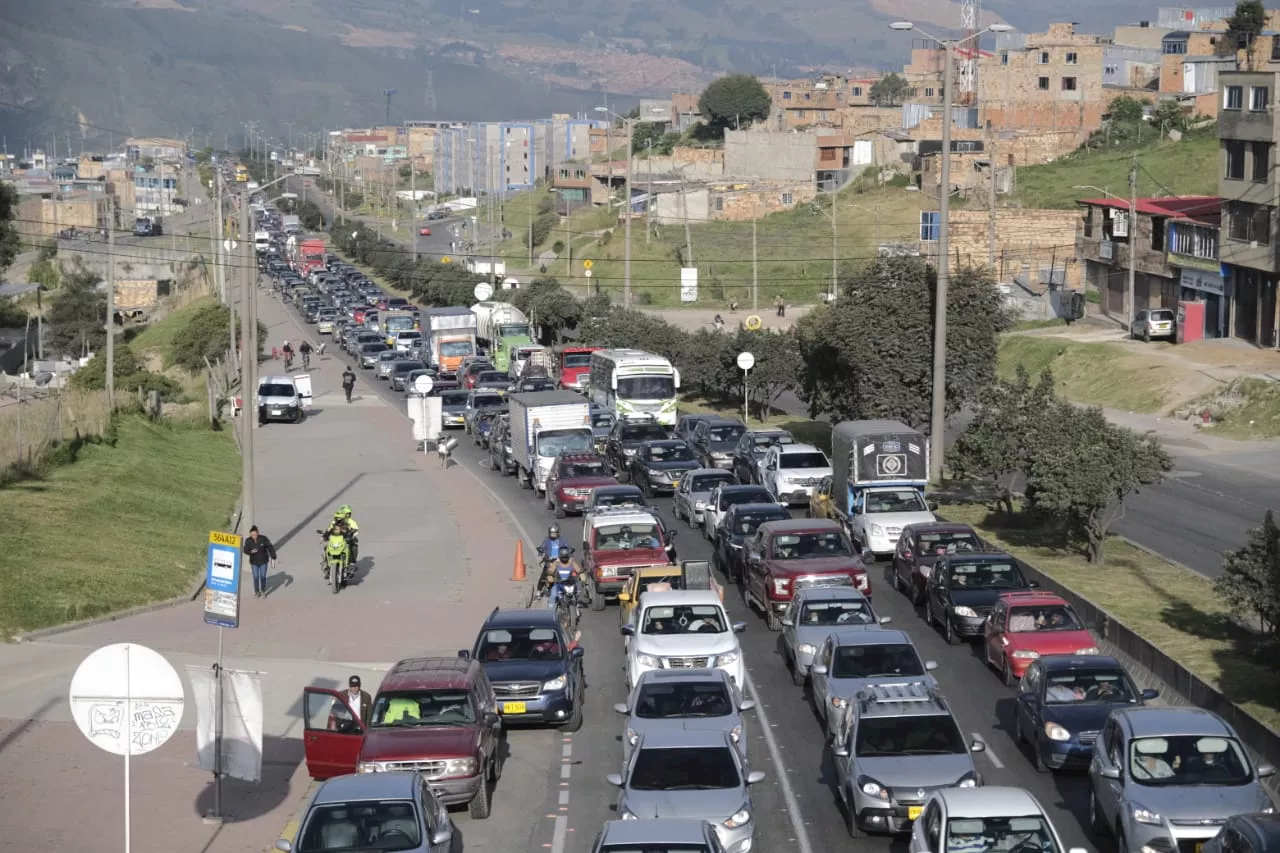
{"x": 517, "y": 573}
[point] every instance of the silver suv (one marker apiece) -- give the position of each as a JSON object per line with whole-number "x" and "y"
{"x": 852, "y": 659}
{"x": 683, "y": 700}
{"x": 894, "y": 745}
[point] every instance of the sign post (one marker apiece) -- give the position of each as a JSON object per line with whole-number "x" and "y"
{"x": 221, "y": 608}
{"x": 746, "y": 361}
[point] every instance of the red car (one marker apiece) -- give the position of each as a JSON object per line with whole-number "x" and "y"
{"x": 424, "y": 232}
{"x": 796, "y": 554}
{"x": 1024, "y": 626}
{"x": 571, "y": 480}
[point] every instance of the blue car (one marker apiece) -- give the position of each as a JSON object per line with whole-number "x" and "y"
{"x": 1063, "y": 700}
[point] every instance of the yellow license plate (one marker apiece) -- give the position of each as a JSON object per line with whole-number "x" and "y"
{"x": 513, "y": 708}
{"x": 1199, "y": 846}
{"x": 913, "y": 812}
{"x": 675, "y": 484}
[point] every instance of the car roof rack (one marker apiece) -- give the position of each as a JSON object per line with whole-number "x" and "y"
{"x": 898, "y": 693}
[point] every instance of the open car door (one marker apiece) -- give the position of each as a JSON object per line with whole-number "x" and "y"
{"x": 333, "y": 735}
{"x": 697, "y": 575}
{"x": 302, "y": 382}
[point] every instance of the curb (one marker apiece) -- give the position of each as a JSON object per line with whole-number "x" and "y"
{"x": 1152, "y": 552}
{"x": 291, "y": 826}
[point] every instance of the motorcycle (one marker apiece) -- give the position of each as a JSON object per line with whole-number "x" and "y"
{"x": 336, "y": 559}
{"x": 569, "y": 602}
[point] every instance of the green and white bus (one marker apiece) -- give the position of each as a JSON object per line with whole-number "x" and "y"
{"x": 632, "y": 383}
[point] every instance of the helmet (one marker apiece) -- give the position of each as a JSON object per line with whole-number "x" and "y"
{"x": 553, "y": 531}
{"x": 286, "y": 343}
{"x": 564, "y": 555}
{"x": 344, "y": 511}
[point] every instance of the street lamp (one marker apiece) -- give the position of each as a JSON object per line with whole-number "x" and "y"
{"x": 629, "y": 124}
{"x": 938, "y": 421}
{"x": 1132, "y": 223}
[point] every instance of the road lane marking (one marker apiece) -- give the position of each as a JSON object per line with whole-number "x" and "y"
{"x": 775, "y": 754}
{"x": 564, "y": 771}
{"x": 557, "y": 837}
{"x": 991, "y": 756}
{"x": 564, "y": 798}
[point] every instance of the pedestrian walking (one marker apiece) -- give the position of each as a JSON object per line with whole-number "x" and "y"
{"x": 348, "y": 382}
{"x": 780, "y": 304}
{"x": 262, "y": 556}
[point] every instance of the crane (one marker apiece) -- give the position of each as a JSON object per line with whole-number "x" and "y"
{"x": 387, "y": 93}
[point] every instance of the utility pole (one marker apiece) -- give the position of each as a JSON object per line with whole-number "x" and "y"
{"x": 688, "y": 234}
{"x": 938, "y": 419}
{"x": 629, "y": 127}
{"x": 493, "y": 272}
{"x": 1132, "y": 229}
{"x": 111, "y": 305}
{"x": 755, "y": 260}
{"x": 835, "y": 240}
{"x": 413, "y": 206}
{"x": 249, "y": 365}
{"x": 648, "y": 208}
{"x": 991, "y": 202}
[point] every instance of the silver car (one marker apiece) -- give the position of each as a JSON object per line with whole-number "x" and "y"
{"x": 408, "y": 381}
{"x": 370, "y": 354}
{"x": 688, "y": 699}
{"x": 895, "y": 744}
{"x": 387, "y": 362}
{"x": 853, "y": 659}
{"x": 1166, "y": 774}
{"x": 811, "y": 617}
{"x": 401, "y": 371}
{"x": 695, "y": 492}
{"x": 453, "y": 408}
{"x": 385, "y": 811}
{"x": 628, "y": 836}
{"x": 695, "y": 775}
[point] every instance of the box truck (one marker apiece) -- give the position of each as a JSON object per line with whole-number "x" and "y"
{"x": 544, "y": 425}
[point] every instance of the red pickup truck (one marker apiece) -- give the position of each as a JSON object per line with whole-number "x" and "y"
{"x": 616, "y": 541}
{"x": 798, "y": 554}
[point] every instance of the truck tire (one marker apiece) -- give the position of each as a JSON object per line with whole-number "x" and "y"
{"x": 597, "y": 599}
{"x": 481, "y": 806}
{"x": 525, "y": 478}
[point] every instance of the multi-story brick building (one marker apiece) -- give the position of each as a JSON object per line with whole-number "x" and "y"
{"x": 1043, "y": 81}
{"x": 815, "y": 102}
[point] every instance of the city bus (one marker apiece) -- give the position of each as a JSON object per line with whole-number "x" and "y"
{"x": 633, "y": 383}
{"x": 242, "y": 174}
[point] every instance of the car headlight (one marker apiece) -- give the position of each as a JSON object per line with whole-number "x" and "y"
{"x": 877, "y": 530}
{"x": 872, "y": 788}
{"x": 807, "y": 648}
{"x": 633, "y": 737}
{"x": 741, "y": 817}
{"x": 650, "y": 661}
{"x": 557, "y": 683}
{"x": 837, "y": 702}
{"x": 699, "y": 504}
{"x": 371, "y": 767}
{"x": 966, "y": 612}
{"x": 1027, "y": 654}
{"x": 460, "y": 767}
{"x": 968, "y": 780}
{"x": 629, "y": 451}
{"x": 627, "y": 814}
{"x": 735, "y": 734}
{"x": 726, "y": 658}
{"x": 1053, "y": 731}
{"x": 780, "y": 586}
{"x": 1090, "y": 650}
{"x": 737, "y": 546}
{"x": 1146, "y": 816}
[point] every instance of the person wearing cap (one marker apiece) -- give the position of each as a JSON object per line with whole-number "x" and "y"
{"x": 360, "y": 701}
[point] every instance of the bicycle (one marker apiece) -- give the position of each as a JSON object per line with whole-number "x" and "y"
{"x": 288, "y": 362}
{"x": 306, "y": 360}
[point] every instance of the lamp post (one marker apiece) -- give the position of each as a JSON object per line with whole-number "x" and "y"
{"x": 629, "y": 124}
{"x": 938, "y": 421}
{"x": 1131, "y": 204}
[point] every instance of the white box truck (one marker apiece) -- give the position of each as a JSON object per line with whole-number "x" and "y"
{"x": 879, "y": 473}
{"x": 544, "y": 425}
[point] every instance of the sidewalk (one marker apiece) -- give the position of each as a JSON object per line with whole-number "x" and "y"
{"x": 436, "y": 556}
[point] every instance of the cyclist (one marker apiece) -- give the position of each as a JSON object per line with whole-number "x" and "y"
{"x": 305, "y": 350}
{"x": 287, "y": 352}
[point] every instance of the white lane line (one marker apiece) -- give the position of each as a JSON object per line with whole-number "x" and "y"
{"x": 567, "y": 751}
{"x": 991, "y": 756}
{"x": 564, "y": 771}
{"x": 775, "y": 754}
{"x": 564, "y": 798}
{"x": 557, "y": 837}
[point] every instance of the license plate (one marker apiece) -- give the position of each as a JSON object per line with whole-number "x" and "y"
{"x": 519, "y": 708}
{"x": 276, "y": 412}
{"x": 913, "y": 812}
{"x": 1199, "y": 846}
{"x": 675, "y": 484}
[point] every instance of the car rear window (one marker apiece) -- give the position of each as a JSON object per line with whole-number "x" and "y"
{"x": 803, "y": 460}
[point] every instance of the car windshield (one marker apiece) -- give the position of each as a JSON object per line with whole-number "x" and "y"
{"x": 684, "y": 699}
{"x": 803, "y": 460}
{"x": 707, "y": 482}
{"x": 668, "y": 453}
{"x": 501, "y": 644}
{"x": 620, "y": 496}
{"x": 849, "y": 612}
{"x": 811, "y": 546}
{"x": 487, "y": 401}
{"x": 1001, "y": 835}
{"x": 696, "y": 769}
{"x": 642, "y": 432}
{"x": 747, "y": 523}
{"x": 422, "y": 708}
{"x": 655, "y": 848}
{"x": 935, "y": 734}
{"x": 453, "y": 398}
{"x": 374, "y": 349}
{"x": 684, "y": 619}
{"x": 407, "y": 367}
{"x": 276, "y": 390}
{"x": 492, "y": 376}
{"x": 626, "y": 537}
{"x": 876, "y": 660}
{"x": 577, "y": 359}
{"x": 555, "y": 442}
{"x": 906, "y": 500}
{"x": 1188, "y": 760}
{"x": 986, "y": 576}
{"x": 1048, "y": 617}
{"x": 584, "y": 469}
{"x": 389, "y": 355}
{"x": 726, "y": 433}
{"x": 945, "y": 542}
{"x": 758, "y": 495}
{"x": 456, "y": 349}
{"x": 1162, "y": 315}
{"x": 646, "y": 387}
{"x": 385, "y": 825}
{"x": 1075, "y": 687}
{"x": 409, "y": 336}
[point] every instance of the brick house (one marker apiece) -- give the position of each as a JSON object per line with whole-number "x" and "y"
{"x": 1047, "y": 81}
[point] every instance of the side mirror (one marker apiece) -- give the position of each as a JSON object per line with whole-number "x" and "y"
{"x": 464, "y": 654}
{"x": 885, "y": 620}
{"x": 622, "y": 708}
{"x": 1109, "y": 772}
{"x": 1266, "y": 771}
{"x": 624, "y": 596}
{"x": 754, "y": 777}
{"x": 747, "y": 705}
{"x": 840, "y": 751}
{"x": 614, "y": 779}
{"x": 739, "y": 627}
{"x": 868, "y": 556}
{"x": 933, "y": 506}
{"x": 1150, "y": 694}
{"x": 930, "y": 665}
{"x": 442, "y": 836}
{"x": 627, "y": 630}
{"x": 284, "y": 846}
{"x": 819, "y": 669}
{"x": 1033, "y": 584}
{"x": 788, "y": 622}
{"x": 977, "y": 746}
{"x": 491, "y": 719}
{"x": 577, "y": 653}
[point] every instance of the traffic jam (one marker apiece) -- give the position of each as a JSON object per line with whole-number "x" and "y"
{"x": 744, "y": 642}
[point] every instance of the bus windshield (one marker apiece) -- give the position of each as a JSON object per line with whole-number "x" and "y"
{"x": 400, "y": 324}
{"x": 649, "y": 387}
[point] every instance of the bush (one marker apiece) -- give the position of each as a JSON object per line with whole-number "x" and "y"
{"x": 543, "y": 226}
{"x": 130, "y": 375}
{"x": 558, "y": 247}
{"x": 546, "y": 205}
{"x": 206, "y": 336}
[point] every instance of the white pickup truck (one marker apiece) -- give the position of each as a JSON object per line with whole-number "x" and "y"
{"x": 792, "y": 471}
{"x": 683, "y": 629}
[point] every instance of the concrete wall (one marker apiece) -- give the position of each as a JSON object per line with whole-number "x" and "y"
{"x": 743, "y": 205}
{"x": 667, "y": 207}
{"x": 770, "y": 156}
{"x": 43, "y": 217}
{"x": 690, "y": 162}
{"x": 1027, "y": 241}
{"x": 143, "y": 258}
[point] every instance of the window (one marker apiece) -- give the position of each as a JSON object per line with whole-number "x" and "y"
{"x": 1088, "y": 222}
{"x": 930, "y": 224}
{"x": 786, "y": 96}
{"x": 799, "y": 113}
{"x": 1109, "y": 71}
{"x": 1044, "y": 57}
{"x": 1249, "y": 223}
{"x": 928, "y": 92}
{"x": 1258, "y": 97}
{"x": 1068, "y": 84}
{"x": 1261, "y": 161}
{"x": 1275, "y": 49}
{"x": 1004, "y": 57}
{"x": 1193, "y": 241}
{"x": 1043, "y": 84}
{"x": 1234, "y": 150}
{"x": 1157, "y": 233}
{"x": 807, "y": 96}
{"x": 1175, "y": 46}
{"x": 1233, "y": 98}
{"x": 857, "y": 91}
{"x": 719, "y": 202}
{"x": 787, "y": 199}
{"x": 1071, "y": 57}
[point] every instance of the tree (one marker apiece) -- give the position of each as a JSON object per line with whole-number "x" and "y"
{"x": 77, "y": 315}
{"x": 646, "y": 135}
{"x": 129, "y": 375}
{"x": 777, "y": 369}
{"x": 1126, "y": 109}
{"x": 1169, "y": 115}
{"x": 1245, "y": 25}
{"x": 1250, "y": 579}
{"x": 889, "y": 91}
{"x": 732, "y": 100}
{"x": 310, "y": 216}
{"x": 1084, "y": 469}
{"x": 206, "y": 335}
{"x": 549, "y": 307}
{"x": 869, "y": 354}
{"x": 9, "y": 243}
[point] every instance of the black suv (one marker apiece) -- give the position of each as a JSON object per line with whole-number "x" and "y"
{"x": 537, "y": 676}
{"x": 625, "y": 439}
{"x": 658, "y": 465}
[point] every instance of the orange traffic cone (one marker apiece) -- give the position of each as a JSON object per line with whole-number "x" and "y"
{"x": 517, "y": 573}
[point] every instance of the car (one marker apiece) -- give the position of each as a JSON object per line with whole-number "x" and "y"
{"x": 685, "y": 629}
{"x": 482, "y": 425}
{"x": 811, "y": 617}
{"x": 750, "y": 450}
{"x": 500, "y": 456}
{"x": 695, "y": 488}
{"x": 1162, "y": 770}
{"x": 691, "y": 774}
{"x": 625, "y": 439}
{"x": 738, "y": 526}
{"x": 918, "y": 549}
{"x": 1063, "y": 702}
{"x": 357, "y": 337}
{"x": 657, "y": 466}
{"x": 964, "y": 586}
{"x": 433, "y": 714}
{"x": 424, "y": 231}
{"x": 1152, "y": 323}
{"x": 984, "y": 818}
{"x": 494, "y": 379}
{"x": 453, "y": 408}
{"x": 467, "y": 376}
{"x": 387, "y": 361}
{"x": 386, "y": 811}
{"x": 895, "y": 744}
{"x": 615, "y": 541}
{"x": 1024, "y": 626}
{"x": 852, "y": 659}
{"x": 686, "y": 424}
{"x": 784, "y": 556}
{"x": 324, "y": 321}
{"x": 281, "y": 399}
{"x": 684, "y": 836}
{"x": 537, "y": 676}
{"x": 479, "y": 400}
{"x": 409, "y": 381}
{"x": 688, "y": 699}
{"x": 371, "y": 353}
{"x": 535, "y": 383}
{"x": 400, "y": 374}
{"x": 437, "y": 215}
{"x": 571, "y": 480}
{"x": 714, "y": 441}
{"x": 603, "y": 497}
{"x": 602, "y": 422}
{"x": 726, "y": 495}
{"x": 406, "y": 338}
{"x": 792, "y": 472}
{"x": 1253, "y": 833}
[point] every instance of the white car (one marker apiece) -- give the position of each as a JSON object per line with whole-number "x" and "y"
{"x": 404, "y": 339}
{"x": 727, "y": 495}
{"x": 988, "y": 818}
{"x": 791, "y": 472}
{"x": 683, "y": 629}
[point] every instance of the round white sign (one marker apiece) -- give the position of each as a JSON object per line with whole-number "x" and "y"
{"x": 587, "y": 273}
{"x": 127, "y": 699}
{"x": 229, "y": 245}
{"x": 423, "y": 384}
{"x": 746, "y": 361}
{"x": 483, "y": 290}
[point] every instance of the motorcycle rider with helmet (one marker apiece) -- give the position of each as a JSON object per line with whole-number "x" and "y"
{"x": 345, "y": 524}
{"x": 559, "y": 575}
{"x": 550, "y": 547}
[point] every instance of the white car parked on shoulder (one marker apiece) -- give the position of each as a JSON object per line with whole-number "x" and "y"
{"x": 683, "y": 629}
{"x": 792, "y": 471}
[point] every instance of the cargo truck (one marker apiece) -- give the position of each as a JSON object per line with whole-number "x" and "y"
{"x": 310, "y": 255}
{"x": 879, "y": 473}
{"x": 500, "y": 326}
{"x": 545, "y": 424}
{"x": 451, "y": 337}
{"x": 573, "y": 366}
{"x": 391, "y": 322}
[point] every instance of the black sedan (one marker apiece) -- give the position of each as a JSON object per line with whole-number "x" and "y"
{"x": 740, "y": 523}
{"x": 963, "y": 587}
{"x": 658, "y": 465}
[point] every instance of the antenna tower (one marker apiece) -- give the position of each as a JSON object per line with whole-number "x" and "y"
{"x": 970, "y": 11}
{"x": 387, "y": 93}
{"x": 430, "y": 100}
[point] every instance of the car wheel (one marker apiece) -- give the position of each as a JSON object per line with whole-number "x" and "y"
{"x": 771, "y": 619}
{"x": 597, "y": 599}
{"x": 575, "y": 718}
{"x": 646, "y": 488}
{"x": 480, "y": 807}
{"x": 928, "y": 612}
{"x": 1010, "y": 679}
{"x": 897, "y": 580}
{"x": 949, "y": 630}
{"x": 1041, "y": 767}
{"x": 798, "y": 678}
{"x": 1019, "y": 736}
{"x": 855, "y": 829}
{"x": 559, "y": 510}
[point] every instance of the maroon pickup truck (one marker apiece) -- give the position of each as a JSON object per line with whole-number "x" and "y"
{"x": 794, "y": 554}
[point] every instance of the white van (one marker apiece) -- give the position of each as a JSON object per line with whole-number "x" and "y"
{"x": 283, "y": 398}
